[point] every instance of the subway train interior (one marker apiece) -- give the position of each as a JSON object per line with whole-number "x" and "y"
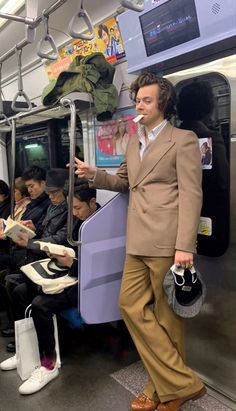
{"x": 191, "y": 43}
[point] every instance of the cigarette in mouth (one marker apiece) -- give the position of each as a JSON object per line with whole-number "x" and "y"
{"x": 138, "y": 118}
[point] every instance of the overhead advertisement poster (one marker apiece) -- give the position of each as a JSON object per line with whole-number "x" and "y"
{"x": 112, "y": 137}
{"x": 107, "y": 40}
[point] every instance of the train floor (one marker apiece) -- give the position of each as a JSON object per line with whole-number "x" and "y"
{"x": 100, "y": 371}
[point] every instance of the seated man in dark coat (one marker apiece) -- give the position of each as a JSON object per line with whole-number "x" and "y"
{"x": 45, "y": 305}
{"x": 36, "y": 210}
{"x": 53, "y": 228}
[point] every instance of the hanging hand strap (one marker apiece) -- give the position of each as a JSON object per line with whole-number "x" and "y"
{"x": 20, "y": 92}
{"x": 47, "y": 38}
{"x": 85, "y": 17}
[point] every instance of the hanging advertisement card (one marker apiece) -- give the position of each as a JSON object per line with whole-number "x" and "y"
{"x": 107, "y": 40}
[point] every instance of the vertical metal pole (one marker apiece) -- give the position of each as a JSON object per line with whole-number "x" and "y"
{"x": 72, "y": 134}
{"x": 13, "y": 165}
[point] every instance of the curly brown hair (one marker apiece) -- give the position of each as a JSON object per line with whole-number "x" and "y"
{"x": 167, "y": 95}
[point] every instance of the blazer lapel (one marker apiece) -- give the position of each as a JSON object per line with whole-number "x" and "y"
{"x": 157, "y": 149}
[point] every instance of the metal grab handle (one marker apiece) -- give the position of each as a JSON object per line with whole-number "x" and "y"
{"x": 20, "y": 88}
{"x": 84, "y": 15}
{"x": 47, "y": 38}
{"x": 21, "y": 93}
{"x": 136, "y": 5}
{"x": 52, "y": 56}
{"x": 68, "y": 102}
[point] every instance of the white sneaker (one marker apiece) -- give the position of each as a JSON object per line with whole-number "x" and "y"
{"x": 9, "y": 364}
{"x": 40, "y": 377}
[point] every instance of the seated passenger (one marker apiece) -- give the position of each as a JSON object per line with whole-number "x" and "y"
{"x": 22, "y": 198}
{"x": 53, "y": 229}
{"x": 45, "y": 305}
{"x": 34, "y": 178}
{"x": 5, "y": 208}
{"x": 5, "y": 201}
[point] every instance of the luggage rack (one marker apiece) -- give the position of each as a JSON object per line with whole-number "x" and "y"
{"x": 83, "y": 101}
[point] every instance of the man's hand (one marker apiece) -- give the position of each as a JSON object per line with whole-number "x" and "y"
{"x": 28, "y": 224}
{"x": 84, "y": 170}
{"x": 66, "y": 260}
{"x": 184, "y": 259}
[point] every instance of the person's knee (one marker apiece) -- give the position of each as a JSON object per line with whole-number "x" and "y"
{"x": 37, "y": 304}
{"x": 124, "y": 304}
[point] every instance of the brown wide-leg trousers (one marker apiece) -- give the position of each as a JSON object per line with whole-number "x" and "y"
{"x": 155, "y": 329}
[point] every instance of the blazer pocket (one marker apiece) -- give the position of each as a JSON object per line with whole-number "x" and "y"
{"x": 166, "y": 227}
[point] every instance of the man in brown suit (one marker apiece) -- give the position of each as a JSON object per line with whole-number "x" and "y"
{"x": 162, "y": 171}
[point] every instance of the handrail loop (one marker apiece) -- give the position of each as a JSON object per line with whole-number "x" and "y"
{"x": 2, "y": 115}
{"x": 82, "y": 13}
{"x": 72, "y": 134}
{"x": 47, "y": 38}
{"x": 20, "y": 92}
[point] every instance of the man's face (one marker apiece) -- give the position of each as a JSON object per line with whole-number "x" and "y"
{"x": 147, "y": 104}
{"x": 83, "y": 210}
{"x": 35, "y": 188}
{"x": 56, "y": 197}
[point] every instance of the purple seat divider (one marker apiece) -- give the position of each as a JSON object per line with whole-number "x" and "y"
{"x": 102, "y": 255}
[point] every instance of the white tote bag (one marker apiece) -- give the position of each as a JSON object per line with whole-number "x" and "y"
{"x": 27, "y": 350}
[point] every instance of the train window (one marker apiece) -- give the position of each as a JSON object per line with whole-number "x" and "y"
{"x": 45, "y": 144}
{"x": 203, "y": 106}
{"x": 63, "y": 133}
{"x": 32, "y": 147}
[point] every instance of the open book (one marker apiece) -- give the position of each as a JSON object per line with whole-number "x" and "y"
{"x": 56, "y": 249}
{"x": 14, "y": 229}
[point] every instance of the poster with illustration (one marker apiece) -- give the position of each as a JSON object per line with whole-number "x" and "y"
{"x": 112, "y": 138}
{"x": 107, "y": 40}
{"x": 205, "y": 145}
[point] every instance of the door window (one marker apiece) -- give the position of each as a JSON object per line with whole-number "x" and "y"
{"x": 203, "y": 106}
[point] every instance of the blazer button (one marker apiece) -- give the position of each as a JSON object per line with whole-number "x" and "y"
{"x": 134, "y": 189}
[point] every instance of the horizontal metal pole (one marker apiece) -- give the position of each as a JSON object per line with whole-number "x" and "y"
{"x": 20, "y": 19}
{"x": 32, "y": 23}
{"x": 12, "y": 51}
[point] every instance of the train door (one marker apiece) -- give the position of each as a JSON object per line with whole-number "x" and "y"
{"x": 206, "y": 103}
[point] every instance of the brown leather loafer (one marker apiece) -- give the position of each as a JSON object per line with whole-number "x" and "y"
{"x": 175, "y": 405}
{"x": 143, "y": 403}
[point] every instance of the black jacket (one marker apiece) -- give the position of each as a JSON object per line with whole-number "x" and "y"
{"x": 76, "y": 227}
{"x": 5, "y": 208}
{"x": 53, "y": 230}
{"x": 35, "y": 211}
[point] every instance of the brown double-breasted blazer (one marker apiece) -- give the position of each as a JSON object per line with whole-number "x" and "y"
{"x": 165, "y": 193}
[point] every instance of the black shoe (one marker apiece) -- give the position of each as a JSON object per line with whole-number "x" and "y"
{"x": 8, "y": 332}
{"x": 11, "y": 347}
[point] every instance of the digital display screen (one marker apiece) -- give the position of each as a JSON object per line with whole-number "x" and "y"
{"x": 169, "y": 25}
